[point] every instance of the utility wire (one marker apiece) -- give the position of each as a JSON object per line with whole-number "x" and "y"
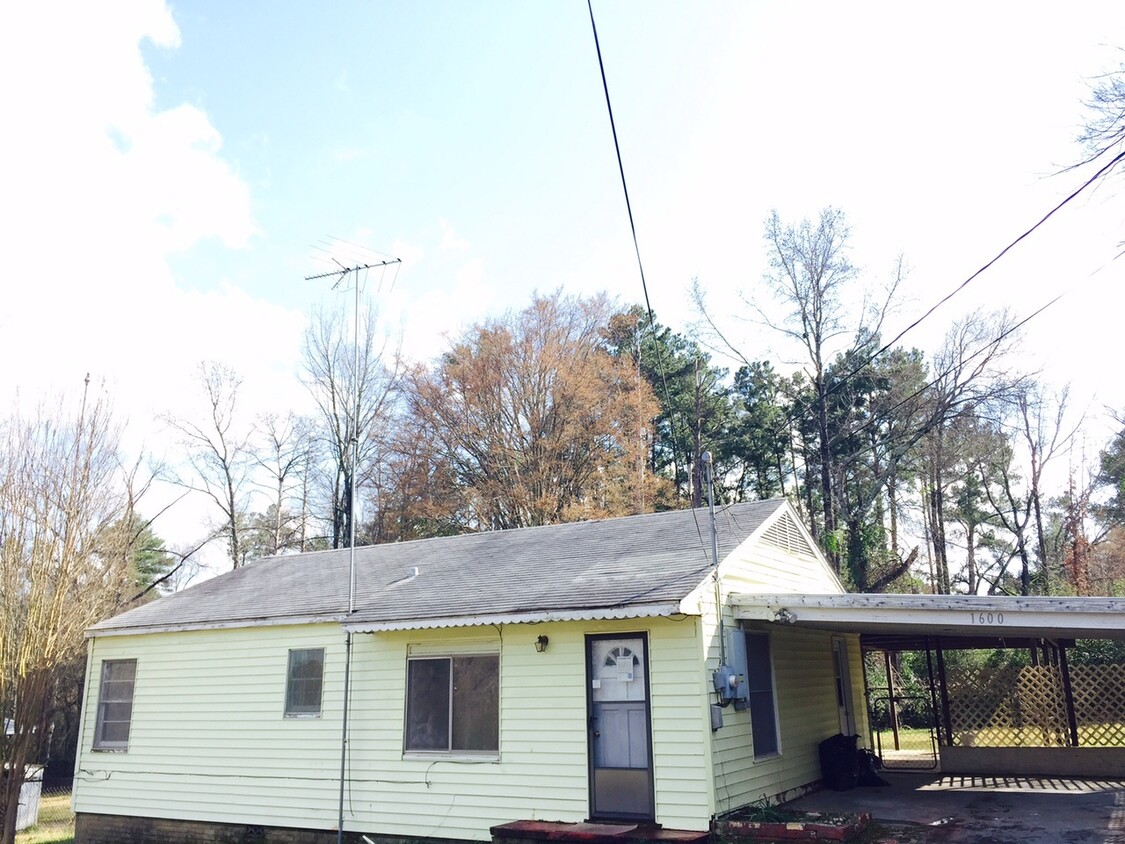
{"x": 672, "y": 415}
{"x": 620, "y": 164}
{"x": 797, "y": 415}
{"x": 1000, "y": 255}
{"x": 992, "y": 343}
{"x": 838, "y": 385}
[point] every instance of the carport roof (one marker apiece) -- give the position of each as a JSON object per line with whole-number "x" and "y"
{"x": 987, "y": 621}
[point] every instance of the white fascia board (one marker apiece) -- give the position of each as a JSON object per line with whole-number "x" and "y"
{"x": 280, "y": 621}
{"x": 588, "y": 614}
{"x": 960, "y": 614}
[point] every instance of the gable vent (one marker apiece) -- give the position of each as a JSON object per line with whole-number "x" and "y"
{"x": 785, "y": 534}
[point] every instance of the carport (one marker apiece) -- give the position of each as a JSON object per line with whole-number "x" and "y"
{"x": 1041, "y": 719}
{"x": 924, "y": 808}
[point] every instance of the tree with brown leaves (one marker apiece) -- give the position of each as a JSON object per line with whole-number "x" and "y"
{"x": 536, "y": 420}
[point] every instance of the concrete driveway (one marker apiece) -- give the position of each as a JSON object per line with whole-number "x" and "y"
{"x": 985, "y": 810}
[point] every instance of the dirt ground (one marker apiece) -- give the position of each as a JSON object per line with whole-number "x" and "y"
{"x": 937, "y": 809}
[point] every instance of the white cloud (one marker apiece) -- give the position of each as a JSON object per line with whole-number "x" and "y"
{"x": 410, "y": 253}
{"x": 449, "y": 239}
{"x": 100, "y": 187}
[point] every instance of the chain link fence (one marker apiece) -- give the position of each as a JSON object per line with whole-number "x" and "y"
{"x": 47, "y": 815}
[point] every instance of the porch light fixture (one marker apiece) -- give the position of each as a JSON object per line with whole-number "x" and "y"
{"x": 541, "y": 644}
{"x": 785, "y": 616}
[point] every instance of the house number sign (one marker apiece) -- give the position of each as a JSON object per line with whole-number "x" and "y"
{"x": 987, "y": 618}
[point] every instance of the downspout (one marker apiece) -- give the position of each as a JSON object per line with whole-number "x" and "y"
{"x": 344, "y": 736}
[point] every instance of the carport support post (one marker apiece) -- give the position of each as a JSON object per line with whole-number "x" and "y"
{"x": 1068, "y": 695}
{"x": 944, "y": 695}
{"x": 933, "y": 691}
{"x": 891, "y": 697}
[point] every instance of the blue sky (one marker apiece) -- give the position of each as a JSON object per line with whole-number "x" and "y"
{"x": 480, "y": 126}
{"x": 176, "y": 170}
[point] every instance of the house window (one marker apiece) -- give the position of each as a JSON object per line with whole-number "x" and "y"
{"x": 763, "y": 705}
{"x": 453, "y": 704}
{"x": 115, "y": 704}
{"x": 304, "y": 682}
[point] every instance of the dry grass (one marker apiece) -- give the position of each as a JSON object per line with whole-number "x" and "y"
{"x": 56, "y": 822}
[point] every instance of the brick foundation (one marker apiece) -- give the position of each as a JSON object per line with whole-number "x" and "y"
{"x": 123, "y": 829}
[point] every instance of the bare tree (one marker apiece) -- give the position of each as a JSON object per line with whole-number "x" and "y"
{"x": 811, "y": 276}
{"x": 220, "y": 454}
{"x": 1105, "y": 123}
{"x": 971, "y": 374}
{"x": 287, "y": 450}
{"x": 810, "y": 271}
{"x": 356, "y": 405}
{"x": 62, "y": 566}
{"x": 1038, "y": 421}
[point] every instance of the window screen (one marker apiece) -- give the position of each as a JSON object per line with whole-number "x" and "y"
{"x": 115, "y": 704}
{"x": 453, "y": 704}
{"x": 304, "y": 682}
{"x": 759, "y": 684}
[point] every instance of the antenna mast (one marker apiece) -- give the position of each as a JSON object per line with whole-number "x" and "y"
{"x": 340, "y": 275}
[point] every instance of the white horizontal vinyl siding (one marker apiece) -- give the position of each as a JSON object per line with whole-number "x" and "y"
{"x": 759, "y": 568}
{"x": 209, "y": 741}
{"x": 859, "y": 691}
{"x": 208, "y": 738}
{"x": 804, "y": 679}
{"x": 542, "y": 771}
{"x": 804, "y": 683}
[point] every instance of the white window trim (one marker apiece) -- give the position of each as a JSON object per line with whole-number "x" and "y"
{"x": 304, "y": 716}
{"x": 97, "y": 744}
{"x": 444, "y": 651}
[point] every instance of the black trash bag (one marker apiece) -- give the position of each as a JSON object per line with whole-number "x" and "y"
{"x": 838, "y": 764}
{"x": 869, "y": 765}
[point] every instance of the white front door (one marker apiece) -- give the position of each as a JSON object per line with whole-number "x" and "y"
{"x": 621, "y": 784}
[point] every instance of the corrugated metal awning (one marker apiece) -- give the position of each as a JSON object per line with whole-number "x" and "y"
{"x": 534, "y": 617}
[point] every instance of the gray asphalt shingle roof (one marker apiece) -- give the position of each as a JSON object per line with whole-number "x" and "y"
{"x": 632, "y": 561}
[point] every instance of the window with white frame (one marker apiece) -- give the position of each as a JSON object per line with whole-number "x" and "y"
{"x": 453, "y": 704}
{"x": 304, "y": 683}
{"x": 115, "y": 704}
{"x": 763, "y": 704}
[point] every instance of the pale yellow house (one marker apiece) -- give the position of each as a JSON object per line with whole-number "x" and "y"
{"x": 563, "y": 673}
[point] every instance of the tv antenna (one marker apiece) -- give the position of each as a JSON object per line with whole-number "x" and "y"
{"x": 340, "y": 275}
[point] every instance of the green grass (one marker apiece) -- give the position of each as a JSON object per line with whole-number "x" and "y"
{"x": 56, "y": 822}
{"x": 1106, "y": 735}
{"x": 912, "y": 738}
{"x": 909, "y": 738}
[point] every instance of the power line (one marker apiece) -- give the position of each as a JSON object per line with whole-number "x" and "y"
{"x": 992, "y": 343}
{"x": 1000, "y": 254}
{"x": 846, "y": 378}
{"x": 672, "y": 415}
{"x": 798, "y": 415}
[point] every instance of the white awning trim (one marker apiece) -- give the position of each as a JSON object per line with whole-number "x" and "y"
{"x": 587, "y": 614}
{"x": 538, "y": 617}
